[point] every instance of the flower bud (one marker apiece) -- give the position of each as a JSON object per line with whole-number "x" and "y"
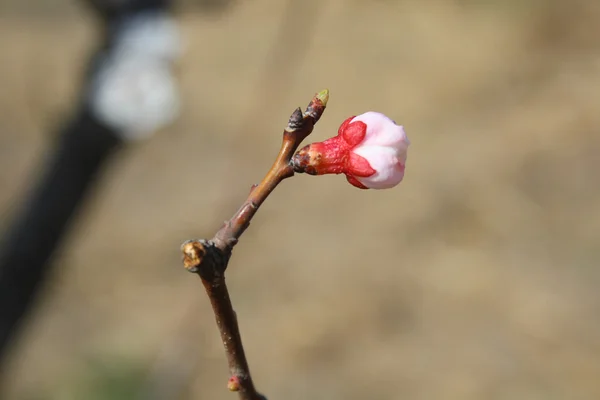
{"x": 233, "y": 384}
{"x": 370, "y": 149}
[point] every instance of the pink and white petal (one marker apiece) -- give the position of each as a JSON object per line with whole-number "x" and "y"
{"x": 381, "y": 130}
{"x": 389, "y": 169}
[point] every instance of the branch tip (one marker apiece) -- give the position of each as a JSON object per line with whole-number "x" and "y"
{"x": 317, "y": 105}
{"x": 296, "y": 120}
{"x": 323, "y": 96}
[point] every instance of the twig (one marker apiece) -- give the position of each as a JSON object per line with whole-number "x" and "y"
{"x": 209, "y": 258}
{"x": 292, "y": 40}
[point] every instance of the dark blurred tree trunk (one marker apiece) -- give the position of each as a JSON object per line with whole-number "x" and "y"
{"x": 82, "y": 149}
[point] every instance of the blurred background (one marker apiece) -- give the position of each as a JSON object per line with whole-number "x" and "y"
{"x": 476, "y": 278}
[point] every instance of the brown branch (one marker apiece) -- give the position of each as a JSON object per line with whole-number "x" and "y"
{"x": 209, "y": 258}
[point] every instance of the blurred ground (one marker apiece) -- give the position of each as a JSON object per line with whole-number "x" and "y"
{"x": 477, "y": 278}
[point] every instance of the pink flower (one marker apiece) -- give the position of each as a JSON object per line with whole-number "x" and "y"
{"x": 369, "y": 149}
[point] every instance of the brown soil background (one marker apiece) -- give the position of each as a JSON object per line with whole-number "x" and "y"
{"x": 476, "y": 278}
